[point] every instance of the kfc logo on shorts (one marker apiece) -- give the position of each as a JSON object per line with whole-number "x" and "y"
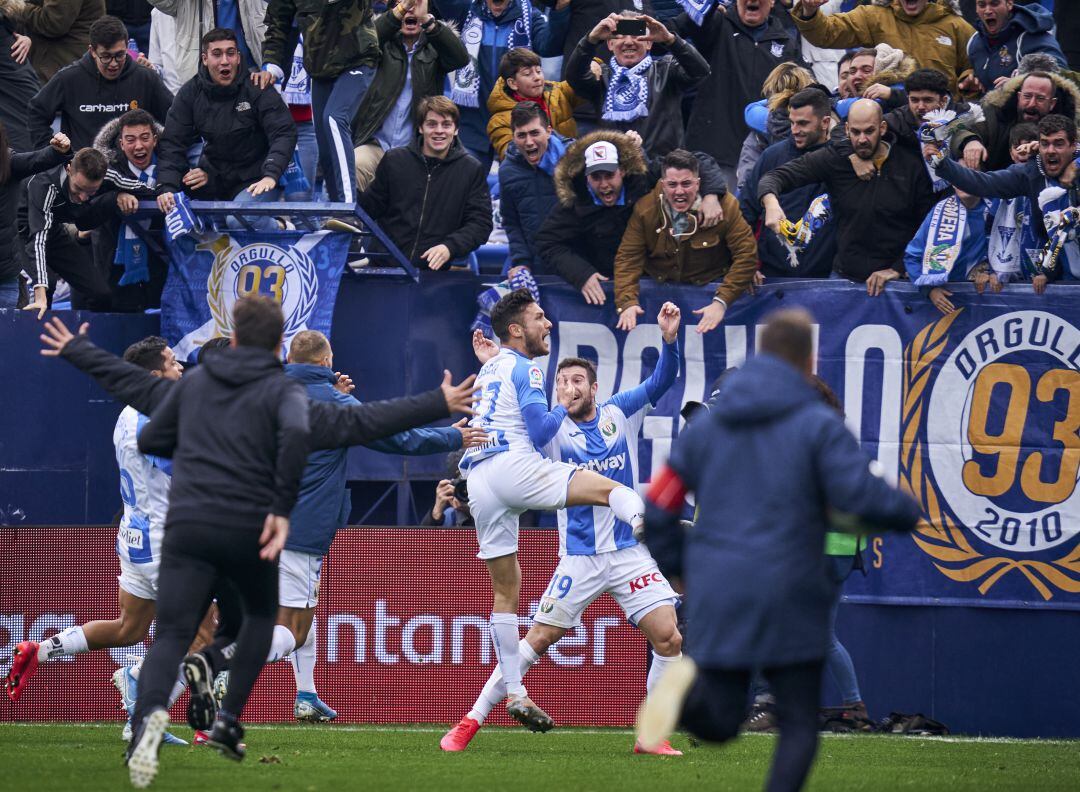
{"x": 637, "y": 584}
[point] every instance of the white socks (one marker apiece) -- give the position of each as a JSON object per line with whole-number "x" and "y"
{"x": 494, "y": 690}
{"x": 504, "y": 637}
{"x": 68, "y": 642}
{"x": 303, "y": 663}
{"x": 282, "y": 644}
{"x": 659, "y": 667}
{"x": 627, "y": 506}
{"x": 178, "y": 688}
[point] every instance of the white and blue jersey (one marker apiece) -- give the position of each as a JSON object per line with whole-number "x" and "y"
{"x": 513, "y": 408}
{"x": 608, "y": 444}
{"x": 144, "y": 488}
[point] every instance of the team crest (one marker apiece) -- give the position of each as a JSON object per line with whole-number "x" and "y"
{"x": 536, "y": 378}
{"x": 607, "y": 428}
{"x": 990, "y": 449}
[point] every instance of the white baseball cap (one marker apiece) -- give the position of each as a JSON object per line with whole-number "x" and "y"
{"x": 601, "y": 156}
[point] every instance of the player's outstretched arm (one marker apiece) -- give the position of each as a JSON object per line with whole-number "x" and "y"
{"x": 667, "y": 367}
{"x": 124, "y": 381}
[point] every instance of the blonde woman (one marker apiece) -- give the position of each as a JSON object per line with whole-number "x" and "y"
{"x": 768, "y": 117}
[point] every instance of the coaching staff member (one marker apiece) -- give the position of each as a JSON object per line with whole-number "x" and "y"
{"x": 754, "y": 566}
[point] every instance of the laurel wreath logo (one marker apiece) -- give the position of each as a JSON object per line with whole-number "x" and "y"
{"x": 939, "y": 535}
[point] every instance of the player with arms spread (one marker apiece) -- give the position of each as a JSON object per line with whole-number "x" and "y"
{"x": 508, "y": 475}
{"x": 599, "y": 552}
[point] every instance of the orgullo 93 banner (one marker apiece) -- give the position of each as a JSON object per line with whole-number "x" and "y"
{"x": 976, "y": 413}
{"x": 209, "y": 272}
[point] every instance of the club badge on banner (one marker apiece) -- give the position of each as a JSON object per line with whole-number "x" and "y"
{"x": 208, "y": 273}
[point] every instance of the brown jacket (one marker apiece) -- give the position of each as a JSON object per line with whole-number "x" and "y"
{"x": 727, "y": 250}
{"x": 59, "y": 30}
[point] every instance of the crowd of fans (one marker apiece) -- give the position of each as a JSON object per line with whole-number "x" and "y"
{"x": 687, "y": 141}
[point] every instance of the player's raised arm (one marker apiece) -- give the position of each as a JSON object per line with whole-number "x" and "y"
{"x": 667, "y": 367}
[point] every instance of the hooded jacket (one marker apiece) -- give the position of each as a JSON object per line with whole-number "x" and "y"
{"x": 669, "y": 77}
{"x": 86, "y": 100}
{"x": 107, "y": 141}
{"x": 237, "y": 431}
{"x": 60, "y": 30}
{"x": 526, "y": 197}
{"x": 937, "y": 37}
{"x": 1029, "y": 29}
{"x": 324, "y": 502}
{"x": 23, "y": 165}
{"x": 194, "y": 18}
{"x": 436, "y": 55}
{"x": 1000, "y": 114}
{"x": 767, "y": 464}
{"x": 559, "y": 98}
{"x": 875, "y": 218}
{"x": 739, "y": 66}
{"x": 249, "y": 134}
{"x": 727, "y": 250}
{"x": 421, "y": 202}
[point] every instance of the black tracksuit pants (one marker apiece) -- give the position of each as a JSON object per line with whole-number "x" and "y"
{"x": 716, "y": 707}
{"x": 195, "y": 559}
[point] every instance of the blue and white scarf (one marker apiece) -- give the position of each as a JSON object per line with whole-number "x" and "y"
{"x": 297, "y": 90}
{"x": 948, "y": 221}
{"x": 181, "y": 220}
{"x": 1062, "y": 221}
{"x": 628, "y": 91}
{"x": 698, "y": 10}
{"x": 465, "y": 82}
{"x": 130, "y": 248}
{"x": 491, "y": 295}
{"x": 1005, "y": 252}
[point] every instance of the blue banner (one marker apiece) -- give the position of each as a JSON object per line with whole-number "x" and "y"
{"x": 209, "y": 272}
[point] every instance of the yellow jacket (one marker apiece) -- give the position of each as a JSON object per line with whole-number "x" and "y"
{"x": 937, "y": 38}
{"x": 561, "y": 102}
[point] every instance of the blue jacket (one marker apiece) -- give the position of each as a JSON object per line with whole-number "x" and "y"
{"x": 1029, "y": 29}
{"x": 324, "y": 502}
{"x": 526, "y": 198}
{"x": 767, "y": 463}
{"x": 973, "y": 247}
{"x": 817, "y": 260}
{"x": 548, "y": 33}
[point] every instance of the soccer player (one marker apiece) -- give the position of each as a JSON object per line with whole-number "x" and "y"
{"x": 599, "y": 553}
{"x": 507, "y": 475}
{"x": 144, "y": 489}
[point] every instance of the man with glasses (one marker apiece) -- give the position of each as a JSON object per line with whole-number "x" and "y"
{"x": 665, "y": 241}
{"x": 102, "y": 85}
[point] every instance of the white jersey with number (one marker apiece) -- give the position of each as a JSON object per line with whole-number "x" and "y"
{"x": 144, "y": 488}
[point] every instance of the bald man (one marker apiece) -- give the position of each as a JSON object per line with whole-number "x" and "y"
{"x": 878, "y": 193}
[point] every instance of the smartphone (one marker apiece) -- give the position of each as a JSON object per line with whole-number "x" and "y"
{"x": 630, "y": 27}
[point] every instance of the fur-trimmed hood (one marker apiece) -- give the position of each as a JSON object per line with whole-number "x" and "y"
{"x": 1004, "y": 97}
{"x": 571, "y": 168}
{"x": 12, "y": 9}
{"x": 107, "y": 139}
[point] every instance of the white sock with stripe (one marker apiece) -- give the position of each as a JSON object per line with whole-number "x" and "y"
{"x": 303, "y": 663}
{"x": 71, "y": 641}
{"x": 627, "y": 506}
{"x": 494, "y": 690}
{"x": 658, "y": 668}
{"x": 282, "y": 644}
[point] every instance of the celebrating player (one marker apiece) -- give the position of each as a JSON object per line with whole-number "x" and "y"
{"x": 507, "y": 475}
{"x": 599, "y": 552}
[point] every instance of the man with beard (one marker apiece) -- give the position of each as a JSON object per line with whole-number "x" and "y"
{"x": 1004, "y": 34}
{"x": 599, "y": 554}
{"x": 250, "y": 135}
{"x": 1030, "y": 97}
{"x": 1054, "y": 167}
{"x": 810, "y": 114}
{"x": 878, "y": 194}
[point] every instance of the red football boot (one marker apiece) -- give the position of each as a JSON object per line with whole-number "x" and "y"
{"x": 459, "y": 737}
{"x": 663, "y": 749}
{"x": 24, "y": 664}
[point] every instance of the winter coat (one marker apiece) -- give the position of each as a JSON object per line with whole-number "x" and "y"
{"x": 22, "y": 165}
{"x": 338, "y": 35}
{"x": 1000, "y": 115}
{"x": 60, "y": 30}
{"x": 767, "y": 464}
{"x": 727, "y": 250}
{"x": 875, "y": 218}
{"x": 547, "y": 35}
{"x": 766, "y": 127}
{"x": 817, "y": 260}
{"x": 1029, "y": 29}
{"x": 580, "y": 237}
{"x": 670, "y": 76}
{"x": 197, "y": 17}
{"x": 937, "y": 37}
{"x": 18, "y": 84}
{"x": 324, "y": 502}
{"x": 436, "y": 55}
{"x": 526, "y": 197}
{"x": 422, "y": 202}
{"x": 739, "y": 66}
{"x": 86, "y": 101}
{"x": 249, "y": 135}
{"x": 560, "y": 100}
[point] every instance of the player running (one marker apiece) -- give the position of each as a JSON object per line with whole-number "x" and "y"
{"x": 144, "y": 489}
{"x": 508, "y": 475}
{"x": 599, "y": 553}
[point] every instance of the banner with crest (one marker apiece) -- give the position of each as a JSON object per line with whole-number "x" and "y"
{"x": 209, "y": 272}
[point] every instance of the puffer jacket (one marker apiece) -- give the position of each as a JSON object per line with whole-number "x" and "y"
{"x": 196, "y": 17}
{"x": 560, "y": 100}
{"x": 648, "y": 248}
{"x": 526, "y": 197}
{"x": 1029, "y": 29}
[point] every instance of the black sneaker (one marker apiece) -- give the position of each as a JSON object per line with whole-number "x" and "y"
{"x": 226, "y": 737}
{"x": 202, "y": 707}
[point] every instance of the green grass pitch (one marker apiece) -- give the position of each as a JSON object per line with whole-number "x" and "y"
{"x": 87, "y": 757}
